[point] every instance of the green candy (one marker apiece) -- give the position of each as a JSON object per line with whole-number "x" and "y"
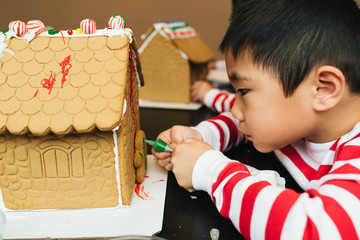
{"x": 53, "y": 31}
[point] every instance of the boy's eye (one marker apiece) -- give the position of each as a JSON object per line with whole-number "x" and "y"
{"x": 243, "y": 91}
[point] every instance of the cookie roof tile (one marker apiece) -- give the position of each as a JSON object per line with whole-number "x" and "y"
{"x": 37, "y": 97}
{"x": 3, "y": 78}
{"x": 22, "y": 94}
{"x": 25, "y": 56}
{"x": 17, "y": 80}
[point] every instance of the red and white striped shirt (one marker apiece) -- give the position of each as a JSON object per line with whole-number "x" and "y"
{"x": 329, "y": 173}
{"x": 220, "y": 101}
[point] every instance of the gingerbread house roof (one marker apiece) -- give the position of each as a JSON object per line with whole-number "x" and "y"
{"x": 62, "y": 84}
{"x": 184, "y": 37}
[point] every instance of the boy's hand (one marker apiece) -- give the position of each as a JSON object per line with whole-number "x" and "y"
{"x": 173, "y": 136}
{"x": 184, "y": 158}
{"x": 199, "y": 90}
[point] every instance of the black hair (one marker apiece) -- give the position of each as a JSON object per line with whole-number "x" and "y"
{"x": 291, "y": 37}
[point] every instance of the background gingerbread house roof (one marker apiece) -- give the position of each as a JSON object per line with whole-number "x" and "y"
{"x": 92, "y": 95}
{"x": 183, "y": 36}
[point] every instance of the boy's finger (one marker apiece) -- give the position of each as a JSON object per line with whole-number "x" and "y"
{"x": 173, "y": 145}
{"x": 160, "y": 155}
{"x": 169, "y": 167}
{"x": 190, "y": 140}
{"x": 163, "y": 162}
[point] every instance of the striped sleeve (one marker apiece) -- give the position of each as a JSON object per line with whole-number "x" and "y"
{"x": 220, "y": 101}
{"x": 221, "y": 131}
{"x": 262, "y": 211}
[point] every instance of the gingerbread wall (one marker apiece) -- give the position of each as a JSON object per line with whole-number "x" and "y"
{"x": 209, "y": 17}
{"x": 75, "y": 171}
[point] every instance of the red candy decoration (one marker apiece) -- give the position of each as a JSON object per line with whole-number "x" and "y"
{"x": 70, "y": 32}
{"x": 117, "y": 22}
{"x": 35, "y": 26}
{"x": 18, "y": 27}
{"x": 88, "y": 26}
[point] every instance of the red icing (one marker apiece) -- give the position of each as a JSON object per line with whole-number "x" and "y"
{"x": 48, "y": 83}
{"x": 161, "y": 180}
{"x": 65, "y": 70}
{"x": 139, "y": 190}
{"x": 61, "y": 35}
{"x": 36, "y": 93}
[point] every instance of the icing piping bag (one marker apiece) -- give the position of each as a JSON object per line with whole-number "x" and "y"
{"x": 159, "y": 145}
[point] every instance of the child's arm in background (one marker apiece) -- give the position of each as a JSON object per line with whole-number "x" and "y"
{"x": 213, "y": 98}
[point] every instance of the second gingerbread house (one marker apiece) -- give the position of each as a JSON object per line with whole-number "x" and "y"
{"x": 173, "y": 56}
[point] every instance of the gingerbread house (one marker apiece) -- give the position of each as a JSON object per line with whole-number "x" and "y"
{"x": 173, "y": 56}
{"x": 69, "y": 117}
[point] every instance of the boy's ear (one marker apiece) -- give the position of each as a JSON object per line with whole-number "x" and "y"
{"x": 329, "y": 87}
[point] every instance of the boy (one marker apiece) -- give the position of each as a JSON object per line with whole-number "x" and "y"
{"x": 295, "y": 67}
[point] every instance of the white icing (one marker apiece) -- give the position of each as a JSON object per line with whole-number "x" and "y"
{"x": 117, "y": 168}
{"x": 102, "y": 32}
{"x": 183, "y": 55}
{"x": 116, "y": 154}
{"x": 136, "y": 69}
{"x": 159, "y": 28}
{"x": 29, "y": 36}
{"x": 183, "y": 30}
{"x": 3, "y": 46}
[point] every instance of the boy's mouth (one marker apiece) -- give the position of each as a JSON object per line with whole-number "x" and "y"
{"x": 245, "y": 135}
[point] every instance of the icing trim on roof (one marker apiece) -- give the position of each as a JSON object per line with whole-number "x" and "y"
{"x": 3, "y": 47}
{"x": 29, "y": 36}
{"x": 159, "y": 28}
{"x": 179, "y": 29}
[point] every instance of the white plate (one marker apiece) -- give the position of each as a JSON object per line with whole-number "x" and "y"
{"x": 168, "y": 105}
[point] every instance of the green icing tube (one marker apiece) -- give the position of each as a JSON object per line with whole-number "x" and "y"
{"x": 159, "y": 145}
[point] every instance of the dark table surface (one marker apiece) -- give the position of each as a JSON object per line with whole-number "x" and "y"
{"x": 193, "y": 215}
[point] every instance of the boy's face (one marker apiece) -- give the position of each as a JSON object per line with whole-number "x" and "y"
{"x": 267, "y": 117}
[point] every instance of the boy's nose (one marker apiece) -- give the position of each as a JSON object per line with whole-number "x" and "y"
{"x": 236, "y": 111}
